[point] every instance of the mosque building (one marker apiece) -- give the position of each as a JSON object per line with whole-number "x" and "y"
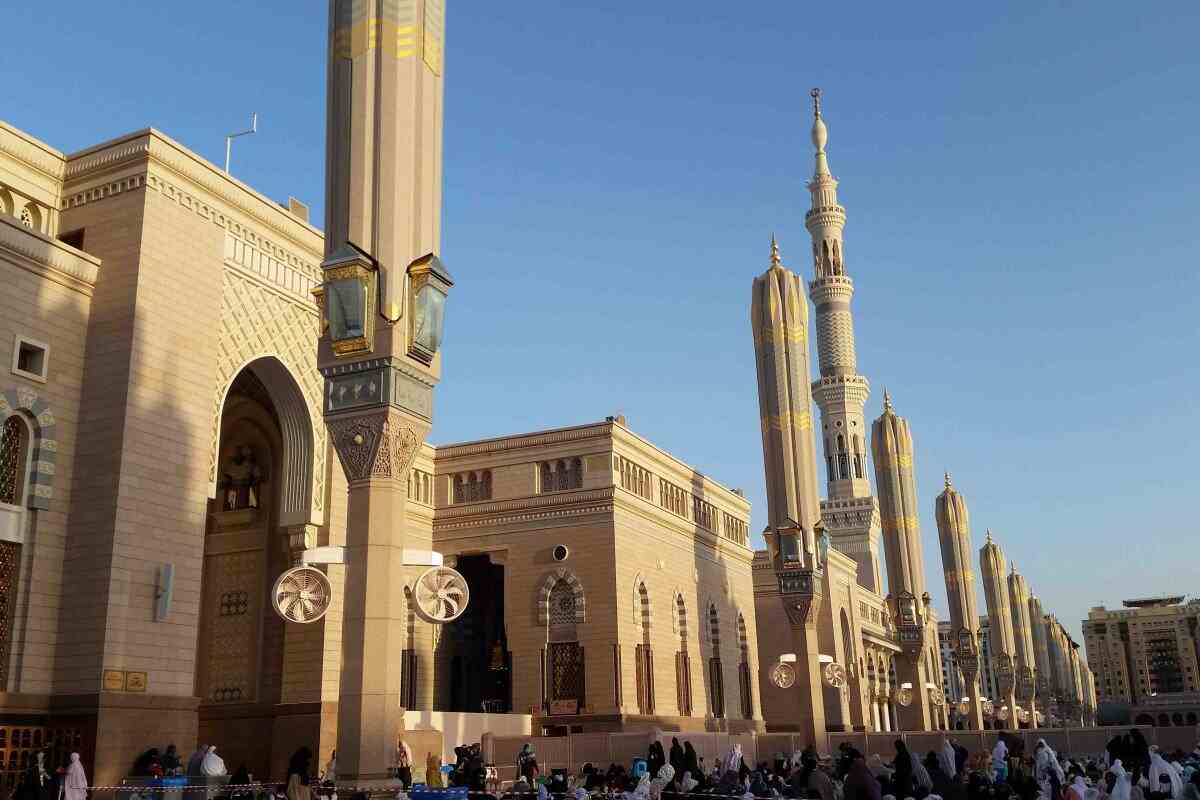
{"x": 221, "y": 520}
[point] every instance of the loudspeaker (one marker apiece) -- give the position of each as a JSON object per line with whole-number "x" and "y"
{"x": 561, "y": 552}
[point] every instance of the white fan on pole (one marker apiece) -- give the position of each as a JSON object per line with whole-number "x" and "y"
{"x": 301, "y": 594}
{"x": 783, "y": 675}
{"x": 442, "y": 595}
{"x": 834, "y": 675}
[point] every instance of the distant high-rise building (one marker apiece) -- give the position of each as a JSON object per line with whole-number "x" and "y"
{"x": 1146, "y": 658}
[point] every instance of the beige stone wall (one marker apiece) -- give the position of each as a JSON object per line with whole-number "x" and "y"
{"x": 616, "y": 538}
{"x": 43, "y": 302}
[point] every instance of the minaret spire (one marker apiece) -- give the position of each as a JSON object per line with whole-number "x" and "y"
{"x": 840, "y": 392}
{"x": 820, "y": 135}
{"x": 776, "y": 261}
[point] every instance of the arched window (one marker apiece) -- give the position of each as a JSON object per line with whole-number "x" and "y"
{"x": 14, "y": 466}
{"x": 829, "y": 461}
{"x": 826, "y": 266}
{"x": 716, "y": 679}
{"x": 562, "y": 474}
{"x": 563, "y": 667}
{"x": 837, "y": 258}
{"x": 14, "y": 444}
{"x": 683, "y": 664}
{"x": 843, "y": 458}
{"x": 644, "y": 654}
{"x": 858, "y": 458}
{"x": 744, "y": 682}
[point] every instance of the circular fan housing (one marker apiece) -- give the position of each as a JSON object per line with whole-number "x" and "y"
{"x": 904, "y": 697}
{"x": 936, "y": 697}
{"x": 442, "y": 595}
{"x": 834, "y": 675}
{"x": 964, "y": 707}
{"x": 989, "y": 708}
{"x": 1023, "y": 714}
{"x": 1002, "y": 713}
{"x": 302, "y": 594}
{"x": 783, "y": 675}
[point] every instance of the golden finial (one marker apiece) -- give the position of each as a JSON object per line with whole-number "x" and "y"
{"x": 887, "y": 398}
{"x": 989, "y": 536}
{"x": 815, "y": 94}
{"x": 948, "y": 485}
{"x": 775, "y": 260}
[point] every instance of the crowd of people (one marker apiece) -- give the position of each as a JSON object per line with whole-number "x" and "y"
{"x": 1128, "y": 769}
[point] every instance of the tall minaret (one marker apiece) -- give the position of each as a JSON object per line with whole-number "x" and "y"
{"x": 382, "y": 297}
{"x": 994, "y": 568}
{"x": 892, "y": 448}
{"x": 779, "y": 324}
{"x": 954, "y": 534}
{"x": 1026, "y": 668}
{"x": 851, "y": 516}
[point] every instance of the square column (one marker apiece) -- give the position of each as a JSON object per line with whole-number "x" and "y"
{"x": 377, "y": 450}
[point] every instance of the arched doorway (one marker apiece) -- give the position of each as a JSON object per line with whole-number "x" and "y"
{"x": 262, "y": 494}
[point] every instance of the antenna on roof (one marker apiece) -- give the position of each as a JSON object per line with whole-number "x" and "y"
{"x": 229, "y": 139}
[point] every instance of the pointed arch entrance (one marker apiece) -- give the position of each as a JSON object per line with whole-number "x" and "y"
{"x": 259, "y": 520}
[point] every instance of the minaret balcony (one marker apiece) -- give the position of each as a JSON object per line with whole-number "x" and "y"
{"x": 829, "y": 288}
{"x": 835, "y": 211}
{"x": 841, "y": 390}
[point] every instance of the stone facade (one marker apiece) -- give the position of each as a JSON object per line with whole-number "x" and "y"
{"x": 163, "y": 430}
{"x": 1146, "y": 660}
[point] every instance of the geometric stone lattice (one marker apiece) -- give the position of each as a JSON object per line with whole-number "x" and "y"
{"x": 232, "y": 638}
{"x": 257, "y": 321}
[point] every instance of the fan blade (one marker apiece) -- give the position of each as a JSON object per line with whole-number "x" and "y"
{"x": 451, "y": 607}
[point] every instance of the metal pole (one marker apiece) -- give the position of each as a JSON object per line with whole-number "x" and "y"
{"x": 229, "y": 139}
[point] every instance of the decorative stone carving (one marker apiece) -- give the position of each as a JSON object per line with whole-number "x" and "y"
{"x": 357, "y": 441}
{"x": 375, "y": 446}
{"x": 257, "y": 320}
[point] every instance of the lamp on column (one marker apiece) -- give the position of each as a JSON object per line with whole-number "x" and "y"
{"x": 347, "y": 298}
{"x": 429, "y": 285}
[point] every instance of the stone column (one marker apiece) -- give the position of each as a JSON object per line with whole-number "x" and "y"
{"x": 954, "y": 535}
{"x": 994, "y": 566}
{"x": 379, "y": 349}
{"x": 376, "y": 451}
{"x": 1026, "y": 669}
{"x": 892, "y": 449}
{"x": 779, "y": 324}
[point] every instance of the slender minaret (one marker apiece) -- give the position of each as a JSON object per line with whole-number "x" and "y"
{"x": 779, "y": 322}
{"x": 892, "y": 449}
{"x": 993, "y": 567}
{"x": 1026, "y": 667}
{"x": 381, "y": 296}
{"x": 954, "y": 534}
{"x": 850, "y": 512}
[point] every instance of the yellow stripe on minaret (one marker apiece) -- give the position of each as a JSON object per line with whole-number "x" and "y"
{"x": 798, "y": 420}
{"x": 397, "y": 41}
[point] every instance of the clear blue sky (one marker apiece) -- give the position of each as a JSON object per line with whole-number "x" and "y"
{"x": 1020, "y": 179}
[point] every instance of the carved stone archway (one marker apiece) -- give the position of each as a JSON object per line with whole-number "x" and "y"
{"x": 297, "y": 503}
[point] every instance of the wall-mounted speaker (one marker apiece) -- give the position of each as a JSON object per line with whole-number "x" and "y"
{"x": 561, "y": 552}
{"x": 164, "y": 588}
